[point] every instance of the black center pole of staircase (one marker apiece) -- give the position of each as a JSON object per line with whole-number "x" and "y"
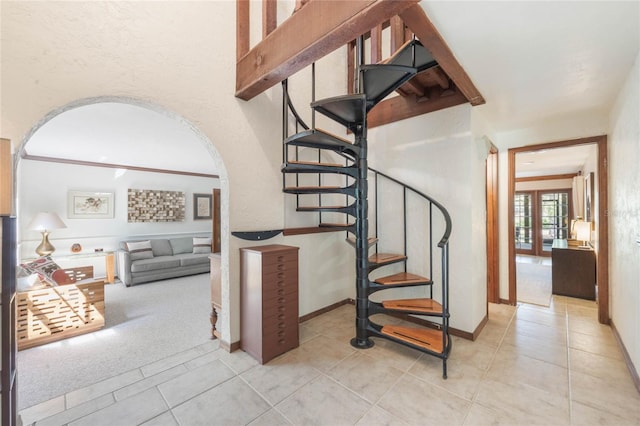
{"x": 362, "y": 340}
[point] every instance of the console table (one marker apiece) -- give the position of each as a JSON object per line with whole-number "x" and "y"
{"x": 73, "y": 260}
{"x": 573, "y": 271}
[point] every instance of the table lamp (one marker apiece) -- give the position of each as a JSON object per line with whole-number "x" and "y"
{"x": 44, "y": 222}
{"x": 583, "y": 233}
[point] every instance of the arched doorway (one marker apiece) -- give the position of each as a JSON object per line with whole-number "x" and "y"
{"x": 155, "y": 141}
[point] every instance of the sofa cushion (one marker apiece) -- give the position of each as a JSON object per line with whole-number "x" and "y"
{"x": 161, "y": 247}
{"x": 201, "y": 245}
{"x": 156, "y": 263}
{"x": 182, "y": 245}
{"x": 140, "y": 249}
{"x": 192, "y": 259}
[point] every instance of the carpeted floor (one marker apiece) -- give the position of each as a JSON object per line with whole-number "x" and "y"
{"x": 533, "y": 283}
{"x": 144, "y": 323}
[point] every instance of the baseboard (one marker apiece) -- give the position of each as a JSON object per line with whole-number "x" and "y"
{"x": 229, "y": 347}
{"x": 326, "y": 309}
{"x": 627, "y": 358}
{"x": 480, "y": 327}
{"x": 505, "y": 302}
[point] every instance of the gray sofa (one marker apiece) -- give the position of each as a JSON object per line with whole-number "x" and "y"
{"x": 141, "y": 261}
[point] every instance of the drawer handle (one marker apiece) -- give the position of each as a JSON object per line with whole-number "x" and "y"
{"x": 280, "y": 291}
{"x": 281, "y": 325}
{"x": 280, "y": 267}
{"x": 280, "y": 258}
{"x": 281, "y": 333}
{"x": 281, "y": 308}
{"x": 281, "y": 317}
{"x": 281, "y": 300}
{"x": 280, "y": 283}
{"x": 281, "y": 342}
{"x": 280, "y": 275}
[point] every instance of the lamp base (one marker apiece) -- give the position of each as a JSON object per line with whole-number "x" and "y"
{"x": 45, "y": 248}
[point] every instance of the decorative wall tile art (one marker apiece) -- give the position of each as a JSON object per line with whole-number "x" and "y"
{"x": 150, "y": 205}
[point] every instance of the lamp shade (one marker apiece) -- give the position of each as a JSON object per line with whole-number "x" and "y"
{"x": 46, "y": 221}
{"x": 583, "y": 231}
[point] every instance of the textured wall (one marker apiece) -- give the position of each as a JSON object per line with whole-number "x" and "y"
{"x": 438, "y": 155}
{"x": 624, "y": 214}
{"x": 177, "y": 58}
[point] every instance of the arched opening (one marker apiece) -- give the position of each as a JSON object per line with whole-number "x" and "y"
{"x": 112, "y": 144}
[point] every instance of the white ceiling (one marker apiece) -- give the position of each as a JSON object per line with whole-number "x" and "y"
{"x": 555, "y": 161}
{"x": 123, "y": 134}
{"x": 533, "y": 60}
{"x": 530, "y": 60}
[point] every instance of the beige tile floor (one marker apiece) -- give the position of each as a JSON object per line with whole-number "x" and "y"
{"x": 530, "y": 365}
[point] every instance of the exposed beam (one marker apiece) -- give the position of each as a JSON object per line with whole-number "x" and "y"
{"x": 416, "y": 19}
{"x": 398, "y": 108}
{"x": 438, "y": 75}
{"x": 311, "y": 33}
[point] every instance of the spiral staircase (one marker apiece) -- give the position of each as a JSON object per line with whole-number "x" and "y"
{"x": 375, "y": 82}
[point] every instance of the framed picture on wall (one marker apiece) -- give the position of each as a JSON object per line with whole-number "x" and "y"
{"x": 89, "y": 205}
{"x": 202, "y": 206}
{"x": 589, "y": 197}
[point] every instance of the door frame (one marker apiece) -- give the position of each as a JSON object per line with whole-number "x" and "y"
{"x": 602, "y": 258}
{"x": 493, "y": 235}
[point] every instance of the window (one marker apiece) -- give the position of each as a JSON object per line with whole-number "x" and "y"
{"x": 539, "y": 218}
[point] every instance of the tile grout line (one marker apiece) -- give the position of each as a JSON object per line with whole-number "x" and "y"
{"x": 566, "y": 316}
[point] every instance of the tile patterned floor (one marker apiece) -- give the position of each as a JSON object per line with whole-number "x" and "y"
{"x": 530, "y": 365}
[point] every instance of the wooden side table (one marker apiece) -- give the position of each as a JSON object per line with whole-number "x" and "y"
{"x": 573, "y": 271}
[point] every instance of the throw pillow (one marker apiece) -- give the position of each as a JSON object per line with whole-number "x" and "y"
{"x": 201, "y": 245}
{"x": 140, "y": 250}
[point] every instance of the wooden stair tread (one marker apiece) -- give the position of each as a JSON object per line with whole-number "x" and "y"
{"x": 402, "y": 278}
{"x": 426, "y": 338}
{"x": 386, "y": 258}
{"x": 428, "y": 306}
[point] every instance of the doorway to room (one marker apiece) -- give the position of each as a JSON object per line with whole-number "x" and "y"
{"x": 600, "y": 219}
{"x": 124, "y": 148}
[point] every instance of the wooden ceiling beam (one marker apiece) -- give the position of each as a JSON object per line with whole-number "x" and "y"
{"x": 242, "y": 28}
{"x": 398, "y": 107}
{"x": 317, "y": 29}
{"x": 416, "y": 19}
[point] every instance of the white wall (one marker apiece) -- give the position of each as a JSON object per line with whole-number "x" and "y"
{"x": 36, "y": 194}
{"x": 178, "y": 58}
{"x": 438, "y": 155}
{"x": 624, "y": 217}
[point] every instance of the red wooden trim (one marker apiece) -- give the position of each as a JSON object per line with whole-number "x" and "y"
{"x": 287, "y": 232}
{"x": 325, "y": 310}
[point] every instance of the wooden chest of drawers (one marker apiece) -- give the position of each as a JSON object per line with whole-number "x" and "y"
{"x": 269, "y": 300}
